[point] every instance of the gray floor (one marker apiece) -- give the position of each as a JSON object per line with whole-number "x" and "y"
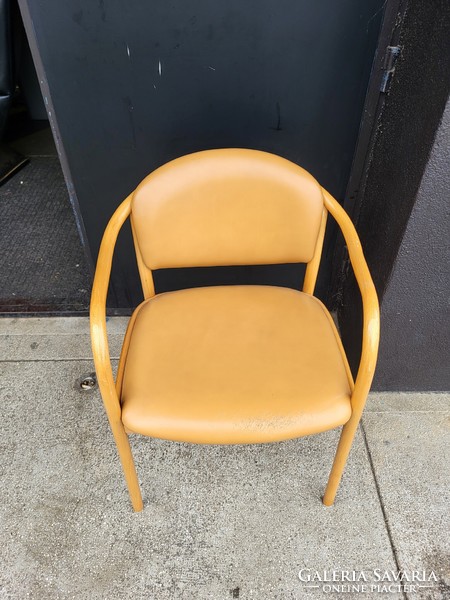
{"x": 219, "y": 522}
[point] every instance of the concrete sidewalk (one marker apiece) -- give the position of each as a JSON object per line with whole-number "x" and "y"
{"x": 219, "y": 522}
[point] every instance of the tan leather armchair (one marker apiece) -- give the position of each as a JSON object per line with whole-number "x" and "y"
{"x": 231, "y": 364}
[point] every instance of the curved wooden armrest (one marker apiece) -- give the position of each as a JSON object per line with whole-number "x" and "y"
{"x": 99, "y": 338}
{"x": 371, "y": 311}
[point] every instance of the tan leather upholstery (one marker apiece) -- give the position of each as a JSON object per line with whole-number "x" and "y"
{"x": 227, "y": 207}
{"x": 234, "y": 364}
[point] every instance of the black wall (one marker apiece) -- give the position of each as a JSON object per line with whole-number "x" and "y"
{"x": 413, "y": 348}
{"x": 132, "y": 85}
{"x": 6, "y": 66}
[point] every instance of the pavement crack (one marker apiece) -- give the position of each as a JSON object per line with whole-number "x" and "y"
{"x": 383, "y": 508}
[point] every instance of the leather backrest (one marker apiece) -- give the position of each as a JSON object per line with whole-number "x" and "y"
{"x": 227, "y": 207}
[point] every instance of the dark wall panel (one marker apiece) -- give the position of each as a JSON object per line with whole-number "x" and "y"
{"x": 402, "y": 143}
{"x": 415, "y": 345}
{"x": 136, "y": 84}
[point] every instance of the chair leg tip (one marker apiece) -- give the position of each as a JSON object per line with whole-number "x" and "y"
{"x": 137, "y": 503}
{"x": 327, "y": 501}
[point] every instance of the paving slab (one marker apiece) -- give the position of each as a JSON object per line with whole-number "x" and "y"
{"x": 56, "y": 325}
{"x": 53, "y": 347}
{"x": 408, "y": 438}
{"x": 54, "y": 338}
{"x": 407, "y": 402}
{"x": 219, "y": 522}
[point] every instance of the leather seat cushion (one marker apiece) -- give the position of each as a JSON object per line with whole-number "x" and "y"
{"x": 234, "y": 364}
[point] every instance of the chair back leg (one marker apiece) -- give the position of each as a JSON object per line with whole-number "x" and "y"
{"x": 340, "y": 459}
{"x": 126, "y": 458}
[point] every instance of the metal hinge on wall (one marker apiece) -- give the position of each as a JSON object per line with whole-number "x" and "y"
{"x": 392, "y": 54}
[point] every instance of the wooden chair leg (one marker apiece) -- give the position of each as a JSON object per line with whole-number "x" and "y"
{"x": 340, "y": 459}
{"x": 126, "y": 458}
